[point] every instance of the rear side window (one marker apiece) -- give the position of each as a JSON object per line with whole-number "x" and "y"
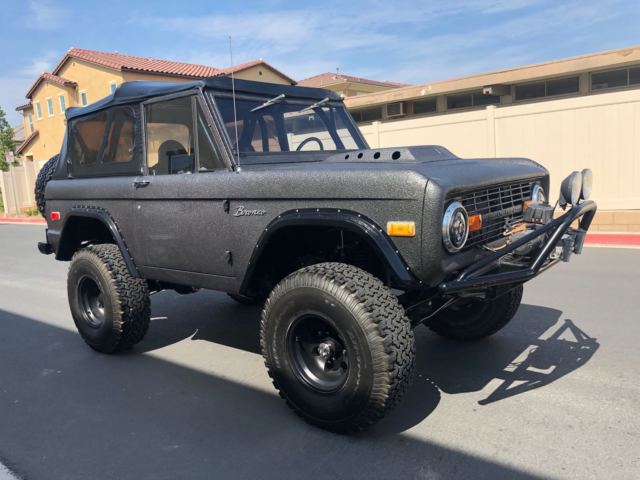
{"x": 105, "y": 143}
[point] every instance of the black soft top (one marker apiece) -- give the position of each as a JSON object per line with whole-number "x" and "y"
{"x": 134, "y": 92}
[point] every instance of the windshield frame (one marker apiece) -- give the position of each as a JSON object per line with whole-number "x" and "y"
{"x": 282, "y": 156}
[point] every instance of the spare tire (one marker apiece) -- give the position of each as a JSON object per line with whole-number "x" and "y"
{"x": 44, "y": 175}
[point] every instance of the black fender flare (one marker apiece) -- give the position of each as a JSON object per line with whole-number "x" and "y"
{"x": 103, "y": 216}
{"x": 337, "y": 218}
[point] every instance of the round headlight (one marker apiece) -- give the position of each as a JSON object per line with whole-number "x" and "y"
{"x": 455, "y": 227}
{"x": 537, "y": 194}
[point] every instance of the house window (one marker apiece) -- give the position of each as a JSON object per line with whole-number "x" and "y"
{"x": 50, "y": 106}
{"x": 38, "y": 111}
{"x": 472, "y": 99}
{"x": 547, "y": 88}
{"x": 84, "y": 98}
{"x": 562, "y": 86}
{"x": 63, "y": 103}
{"x": 615, "y": 78}
{"x": 367, "y": 115}
{"x": 30, "y": 120}
{"x": 424, "y": 106}
{"x": 112, "y": 87}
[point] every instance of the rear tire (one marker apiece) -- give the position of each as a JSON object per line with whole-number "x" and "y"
{"x": 44, "y": 175}
{"x": 338, "y": 346}
{"x": 111, "y": 309}
{"x": 478, "y": 319}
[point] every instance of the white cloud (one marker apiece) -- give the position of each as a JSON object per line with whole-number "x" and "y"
{"x": 44, "y": 15}
{"x": 38, "y": 64}
{"x": 402, "y": 40}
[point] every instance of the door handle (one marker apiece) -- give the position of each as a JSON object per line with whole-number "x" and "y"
{"x": 141, "y": 183}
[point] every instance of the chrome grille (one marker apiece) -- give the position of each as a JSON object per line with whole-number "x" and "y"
{"x": 500, "y": 206}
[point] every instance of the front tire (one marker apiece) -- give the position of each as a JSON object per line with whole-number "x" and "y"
{"x": 338, "y": 346}
{"x": 111, "y": 309}
{"x": 478, "y": 319}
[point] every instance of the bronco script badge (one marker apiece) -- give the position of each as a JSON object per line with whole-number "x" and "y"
{"x": 245, "y": 212}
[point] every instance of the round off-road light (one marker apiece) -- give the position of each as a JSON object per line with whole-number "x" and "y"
{"x": 571, "y": 189}
{"x": 455, "y": 227}
{"x": 537, "y": 194}
{"x": 587, "y": 182}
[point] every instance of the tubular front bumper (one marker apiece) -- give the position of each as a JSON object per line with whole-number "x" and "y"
{"x": 489, "y": 272}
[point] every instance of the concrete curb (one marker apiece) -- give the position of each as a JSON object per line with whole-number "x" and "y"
{"x": 593, "y": 238}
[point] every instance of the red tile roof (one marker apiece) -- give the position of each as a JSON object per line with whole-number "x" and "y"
{"x": 253, "y": 63}
{"x": 329, "y": 78}
{"x": 120, "y": 61}
{"x": 51, "y": 78}
{"x": 26, "y": 106}
{"x": 26, "y": 142}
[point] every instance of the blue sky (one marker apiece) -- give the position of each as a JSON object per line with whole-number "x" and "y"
{"x": 407, "y": 41}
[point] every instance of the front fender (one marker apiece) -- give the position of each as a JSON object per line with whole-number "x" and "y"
{"x": 355, "y": 222}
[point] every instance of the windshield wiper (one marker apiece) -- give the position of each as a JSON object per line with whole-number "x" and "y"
{"x": 315, "y": 105}
{"x": 268, "y": 103}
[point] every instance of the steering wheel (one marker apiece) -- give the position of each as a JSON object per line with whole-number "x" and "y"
{"x": 310, "y": 139}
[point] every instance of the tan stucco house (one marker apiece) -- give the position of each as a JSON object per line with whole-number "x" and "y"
{"x": 85, "y": 76}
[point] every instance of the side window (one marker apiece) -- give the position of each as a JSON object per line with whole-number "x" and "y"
{"x": 170, "y": 139}
{"x": 173, "y": 142}
{"x": 104, "y": 143}
{"x": 120, "y": 140}
{"x": 85, "y": 139}
{"x": 208, "y": 156}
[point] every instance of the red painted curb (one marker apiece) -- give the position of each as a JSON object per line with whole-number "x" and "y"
{"x": 18, "y": 221}
{"x": 613, "y": 238}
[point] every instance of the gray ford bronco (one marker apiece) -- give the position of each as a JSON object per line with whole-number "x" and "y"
{"x": 270, "y": 194}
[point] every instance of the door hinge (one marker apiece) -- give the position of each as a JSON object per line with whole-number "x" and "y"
{"x": 226, "y": 205}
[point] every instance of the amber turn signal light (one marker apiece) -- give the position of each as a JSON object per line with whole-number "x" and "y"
{"x": 401, "y": 229}
{"x": 475, "y": 222}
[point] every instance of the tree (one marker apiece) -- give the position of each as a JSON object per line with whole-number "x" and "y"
{"x": 6, "y": 140}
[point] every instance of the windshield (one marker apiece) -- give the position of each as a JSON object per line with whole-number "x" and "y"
{"x": 280, "y": 124}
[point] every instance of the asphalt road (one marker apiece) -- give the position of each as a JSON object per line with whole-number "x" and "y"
{"x": 555, "y": 394}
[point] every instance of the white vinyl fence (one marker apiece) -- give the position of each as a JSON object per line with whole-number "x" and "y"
{"x": 17, "y": 187}
{"x": 601, "y": 132}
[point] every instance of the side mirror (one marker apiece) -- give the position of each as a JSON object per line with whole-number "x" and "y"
{"x": 571, "y": 189}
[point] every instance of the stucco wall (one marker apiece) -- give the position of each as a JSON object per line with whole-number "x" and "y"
{"x": 601, "y": 132}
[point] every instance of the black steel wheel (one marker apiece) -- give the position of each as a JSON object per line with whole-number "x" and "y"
{"x": 338, "y": 346}
{"x": 477, "y": 319}
{"x": 318, "y": 353}
{"x": 111, "y": 309}
{"x": 91, "y": 302}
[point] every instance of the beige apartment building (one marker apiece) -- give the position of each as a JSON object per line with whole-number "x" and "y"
{"x": 85, "y": 76}
{"x": 348, "y": 85}
{"x": 565, "y": 114}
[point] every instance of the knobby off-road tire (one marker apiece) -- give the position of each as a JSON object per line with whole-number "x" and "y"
{"x": 110, "y": 308}
{"x": 479, "y": 319}
{"x": 44, "y": 175}
{"x": 357, "y": 316}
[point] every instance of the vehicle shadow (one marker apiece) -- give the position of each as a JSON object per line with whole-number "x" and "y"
{"x": 534, "y": 350}
{"x": 68, "y": 412}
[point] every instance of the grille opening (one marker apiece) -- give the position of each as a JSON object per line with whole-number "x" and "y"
{"x": 499, "y": 205}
